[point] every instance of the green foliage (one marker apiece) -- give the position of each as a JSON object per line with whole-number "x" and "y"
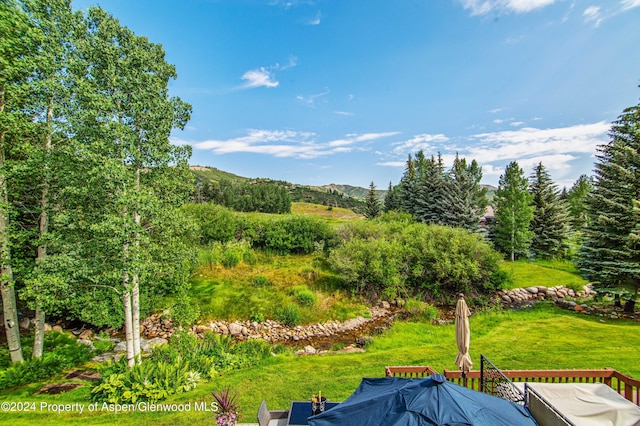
{"x": 256, "y": 316}
{"x": 176, "y": 368}
{"x": 373, "y": 206}
{"x": 419, "y": 311}
{"x": 184, "y": 311}
{"x": 262, "y": 195}
{"x": 610, "y": 254}
{"x": 294, "y": 234}
{"x": 62, "y": 352}
{"x": 387, "y": 258}
{"x": 304, "y": 296}
{"x": 288, "y": 315}
{"x": 513, "y": 213}
{"x": 260, "y": 281}
{"x": 216, "y": 222}
{"x": 550, "y": 223}
{"x": 229, "y": 259}
{"x": 577, "y": 200}
{"x": 434, "y": 196}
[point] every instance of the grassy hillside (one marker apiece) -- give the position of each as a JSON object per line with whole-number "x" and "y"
{"x": 325, "y": 196}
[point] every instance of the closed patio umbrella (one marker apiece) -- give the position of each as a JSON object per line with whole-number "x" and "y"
{"x": 463, "y": 336}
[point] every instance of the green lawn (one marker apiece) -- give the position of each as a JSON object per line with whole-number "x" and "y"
{"x": 541, "y": 338}
{"x": 523, "y": 274}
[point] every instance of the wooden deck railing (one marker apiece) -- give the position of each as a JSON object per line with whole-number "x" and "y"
{"x": 625, "y": 385}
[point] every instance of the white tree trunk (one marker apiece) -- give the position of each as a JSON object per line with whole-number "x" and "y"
{"x": 128, "y": 321}
{"x": 38, "y": 338}
{"x": 6, "y": 280}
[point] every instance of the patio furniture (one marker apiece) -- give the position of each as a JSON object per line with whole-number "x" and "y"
{"x": 300, "y": 411}
{"x": 271, "y": 417}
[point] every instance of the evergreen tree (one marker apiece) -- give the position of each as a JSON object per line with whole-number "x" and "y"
{"x": 391, "y": 199}
{"x": 408, "y": 188}
{"x": 550, "y": 224}
{"x": 432, "y": 189}
{"x": 464, "y": 201}
{"x": 577, "y": 200}
{"x": 372, "y": 203}
{"x": 513, "y": 213}
{"x": 610, "y": 252}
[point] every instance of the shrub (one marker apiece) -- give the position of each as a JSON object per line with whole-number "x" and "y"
{"x": 294, "y": 234}
{"x": 389, "y": 257}
{"x": 217, "y": 223}
{"x": 420, "y": 311}
{"x": 176, "y": 368}
{"x": 304, "y": 296}
{"x": 289, "y": 315}
{"x": 260, "y": 281}
{"x": 256, "y": 317}
{"x": 62, "y": 352}
{"x": 229, "y": 259}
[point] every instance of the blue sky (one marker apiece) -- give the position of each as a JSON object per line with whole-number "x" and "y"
{"x": 342, "y": 91}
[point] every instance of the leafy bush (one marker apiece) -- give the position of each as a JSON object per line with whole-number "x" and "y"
{"x": 304, "y": 296}
{"x": 177, "y": 367}
{"x": 294, "y": 234}
{"x": 216, "y": 223}
{"x": 256, "y": 317}
{"x": 62, "y": 352}
{"x": 289, "y": 315}
{"x": 184, "y": 311}
{"x": 260, "y": 281}
{"x": 389, "y": 257}
{"x": 146, "y": 381}
{"x": 420, "y": 311}
{"x": 229, "y": 259}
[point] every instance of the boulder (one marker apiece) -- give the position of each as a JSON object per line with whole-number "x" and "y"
{"x": 148, "y": 345}
{"x": 235, "y": 329}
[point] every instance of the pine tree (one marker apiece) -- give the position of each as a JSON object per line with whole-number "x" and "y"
{"x": 610, "y": 252}
{"x": 577, "y": 199}
{"x": 372, "y": 207}
{"x": 408, "y": 188}
{"x": 550, "y": 224}
{"x": 391, "y": 199}
{"x": 513, "y": 213}
{"x": 432, "y": 188}
{"x": 465, "y": 200}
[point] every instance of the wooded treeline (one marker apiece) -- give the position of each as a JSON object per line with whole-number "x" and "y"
{"x": 90, "y": 187}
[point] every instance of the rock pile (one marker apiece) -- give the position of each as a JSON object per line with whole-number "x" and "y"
{"x": 519, "y": 296}
{"x": 274, "y": 331}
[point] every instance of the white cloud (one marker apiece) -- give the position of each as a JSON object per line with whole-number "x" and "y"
{"x": 282, "y": 143}
{"x": 264, "y": 77}
{"x": 311, "y": 99}
{"x": 355, "y": 138}
{"x": 482, "y": 7}
{"x": 495, "y": 110}
{"x": 392, "y": 163}
{"x": 592, "y": 15}
{"x": 557, "y": 148}
{"x": 258, "y": 78}
{"x": 498, "y": 121}
{"x": 630, "y": 4}
{"x": 345, "y": 113}
{"x": 316, "y": 20}
{"x": 517, "y": 123}
{"x": 423, "y": 142}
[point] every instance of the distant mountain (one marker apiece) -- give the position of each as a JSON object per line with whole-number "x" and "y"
{"x": 329, "y": 195}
